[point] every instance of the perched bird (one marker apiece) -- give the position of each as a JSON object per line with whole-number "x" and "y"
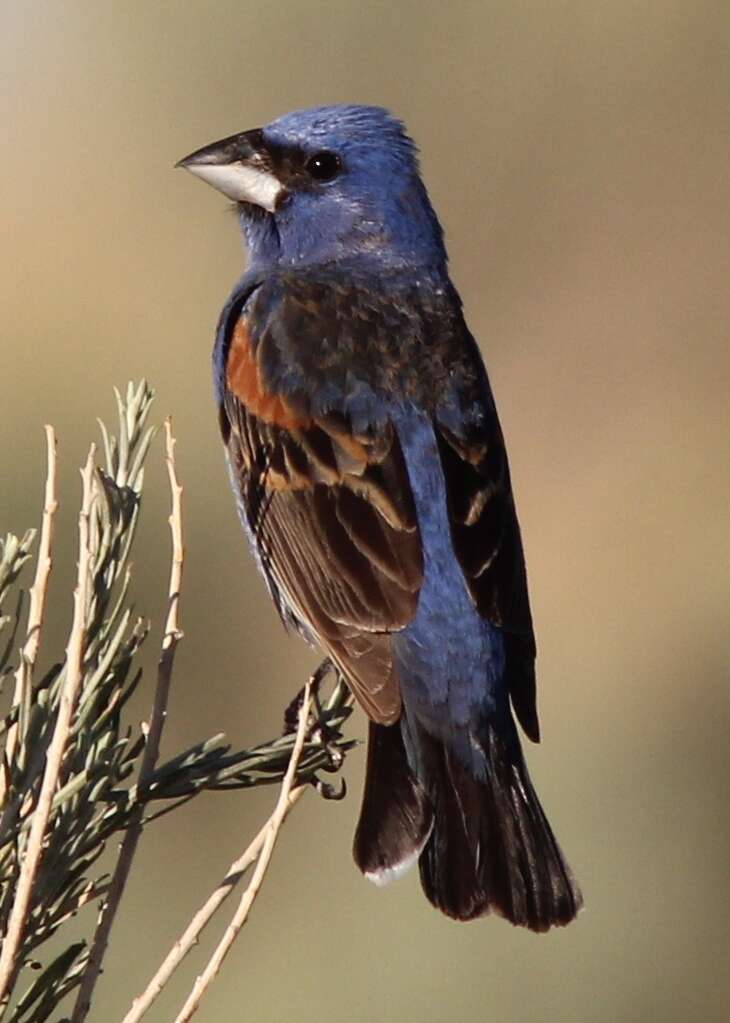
{"x": 371, "y": 477}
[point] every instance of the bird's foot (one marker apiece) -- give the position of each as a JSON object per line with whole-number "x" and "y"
{"x": 318, "y": 732}
{"x": 291, "y": 714}
{"x": 328, "y": 791}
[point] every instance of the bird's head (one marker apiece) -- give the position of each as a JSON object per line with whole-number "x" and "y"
{"x": 330, "y": 183}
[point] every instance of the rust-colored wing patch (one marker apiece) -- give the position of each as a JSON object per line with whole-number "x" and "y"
{"x": 243, "y": 379}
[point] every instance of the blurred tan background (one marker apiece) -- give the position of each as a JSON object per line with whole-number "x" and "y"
{"x": 577, "y": 153}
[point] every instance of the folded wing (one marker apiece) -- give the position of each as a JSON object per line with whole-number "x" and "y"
{"x": 331, "y": 515}
{"x": 486, "y": 538}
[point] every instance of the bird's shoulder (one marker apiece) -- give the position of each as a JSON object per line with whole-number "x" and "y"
{"x": 336, "y": 338}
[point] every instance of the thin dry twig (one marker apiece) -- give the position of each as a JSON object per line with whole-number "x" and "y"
{"x": 26, "y": 666}
{"x": 264, "y": 841}
{"x": 190, "y": 936}
{"x": 69, "y": 740}
{"x": 75, "y": 656}
{"x": 273, "y": 827}
{"x": 171, "y": 637}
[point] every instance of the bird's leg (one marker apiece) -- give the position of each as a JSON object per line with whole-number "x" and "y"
{"x": 319, "y": 731}
{"x": 291, "y": 714}
{"x": 327, "y": 737}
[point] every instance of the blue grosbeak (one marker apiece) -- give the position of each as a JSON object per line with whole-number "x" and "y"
{"x": 370, "y": 472}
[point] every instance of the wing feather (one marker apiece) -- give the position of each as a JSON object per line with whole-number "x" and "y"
{"x": 333, "y": 520}
{"x": 486, "y": 538}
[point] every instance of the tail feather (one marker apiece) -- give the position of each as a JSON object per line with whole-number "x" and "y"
{"x": 483, "y": 843}
{"x": 492, "y": 848}
{"x": 395, "y": 819}
{"x": 450, "y": 863}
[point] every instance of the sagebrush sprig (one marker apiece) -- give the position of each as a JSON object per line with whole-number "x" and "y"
{"x": 73, "y": 774}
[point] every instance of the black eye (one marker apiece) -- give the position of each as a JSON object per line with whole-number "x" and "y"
{"x": 323, "y": 166}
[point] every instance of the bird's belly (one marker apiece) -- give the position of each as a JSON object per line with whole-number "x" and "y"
{"x": 450, "y": 660}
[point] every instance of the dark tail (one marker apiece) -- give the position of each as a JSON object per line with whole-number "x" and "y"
{"x": 488, "y": 845}
{"x": 395, "y": 819}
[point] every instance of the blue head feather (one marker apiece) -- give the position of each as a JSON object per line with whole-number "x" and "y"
{"x": 376, "y": 210}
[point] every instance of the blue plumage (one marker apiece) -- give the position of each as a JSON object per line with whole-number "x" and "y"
{"x": 377, "y": 213}
{"x": 370, "y": 469}
{"x": 450, "y": 659}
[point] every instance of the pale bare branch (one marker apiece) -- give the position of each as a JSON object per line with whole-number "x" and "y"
{"x": 170, "y": 639}
{"x": 287, "y": 799}
{"x": 24, "y": 673}
{"x": 74, "y": 674}
{"x": 275, "y": 822}
{"x": 191, "y": 935}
